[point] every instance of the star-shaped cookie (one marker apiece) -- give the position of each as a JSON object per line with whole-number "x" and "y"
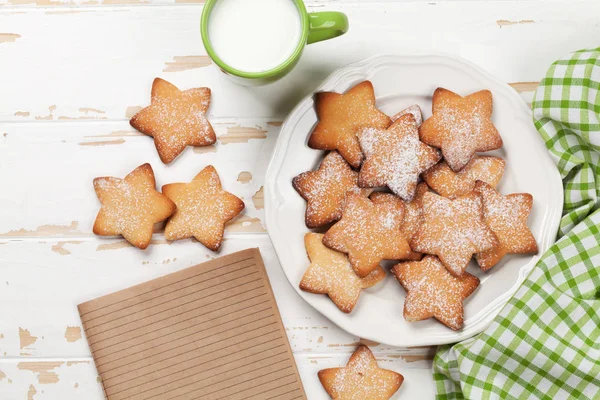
{"x": 412, "y": 214}
{"x": 434, "y": 292}
{"x": 414, "y": 211}
{"x": 341, "y": 116}
{"x": 507, "y": 217}
{"x": 369, "y": 233}
{"x": 415, "y": 110}
{"x": 461, "y": 126}
{"x": 203, "y": 209}
{"x": 175, "y": 119}
{"x": 395, "y": 157}
{"x": 360, "y": 379}
{"x": 325, "y": 189}
{"x": 131, "y": 206}
{"x": 452, "y": 184}
{"x": 330, "y": 273}
{"x": 453, "y": 230}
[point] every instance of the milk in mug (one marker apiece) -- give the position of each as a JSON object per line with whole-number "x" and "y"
{"x": 254, "y": 35}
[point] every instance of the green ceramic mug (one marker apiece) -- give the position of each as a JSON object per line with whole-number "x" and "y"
{"x": 315, "y": 27}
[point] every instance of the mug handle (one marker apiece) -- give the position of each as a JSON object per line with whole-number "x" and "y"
{"x": 326, "y": 25}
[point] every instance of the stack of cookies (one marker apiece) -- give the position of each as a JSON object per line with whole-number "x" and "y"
{"x": 400, "y": 188}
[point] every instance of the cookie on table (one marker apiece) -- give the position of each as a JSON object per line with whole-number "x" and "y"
{"x": 203, "y": 209}
{"x": 369, "y": 233}
{"x": 341, "y": 116}
{"x": 453, "y": 230}
{"x": 330, "y": 273}
{"x": 131, "y": 206}
{"x": 395, "y": 157}
{"x": 416, "y": 112}
{"x": 360, "y": 379}
{"x": 325, "y": 189}
{"x": 412, "y": 213}
{"x": 433, "y": 292}
{"x": 452, "y": 184}
{"x": 175, "y": 119}
{"x": 507, "y": 218}
{"x": 461, "y": 126}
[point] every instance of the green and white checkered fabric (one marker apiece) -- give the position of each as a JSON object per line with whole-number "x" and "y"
{"x": 545, "y": 343}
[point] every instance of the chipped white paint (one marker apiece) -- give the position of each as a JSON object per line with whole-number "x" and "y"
{"x": 75, "y": 128}
{"x": 259, "y": 199}
{"x": 183, "y": 63}
{"x": 523, "y": 87}
{"x": 26, "y": 342}
{"x": 242, "y": 134}
{"x": 8, "y": 37}
{"x": 244, "y": 177}
{"x": 503, "y": 22}
{"x": 73, "y": 333}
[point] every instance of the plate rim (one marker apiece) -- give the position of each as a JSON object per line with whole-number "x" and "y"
{"x": 551, "y": 223}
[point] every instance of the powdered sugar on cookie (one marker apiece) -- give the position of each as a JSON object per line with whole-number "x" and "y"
{"x": 175, "y": 119}
{"x": 325, "y": 189}
{"x": 507, "y": 218}
{"x": 131, "y": 206}
{"x": 369, "y": 233}
{"x": 459, "y": 146}
{"x": 412, "y": 213}
{"x": 191, "y": 125}
{"x": 433, "y": 291}
{"x": 341, "y": 116}
{"x": 361, "y": 379}
{"x": 461, "y": 126}
{"x": 330, "y": 273}
{"x": 416, "y": 112}
{"x": 443, "y": 180}
{"x": 395, "y": 157}
{"x": 453, "y": 230}
{"x": 125, "y": 198}
{"x": 203, "y": 208}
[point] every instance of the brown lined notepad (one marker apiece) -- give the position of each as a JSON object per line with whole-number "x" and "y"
{"x": 212, "y": 331}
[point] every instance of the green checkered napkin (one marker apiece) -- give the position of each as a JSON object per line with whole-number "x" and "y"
{"x": 545, "y": 343}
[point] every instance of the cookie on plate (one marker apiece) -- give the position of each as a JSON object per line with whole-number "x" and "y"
{"x": 416, "y": 112}
{"x": 434, "y": 292}
{"x": 461, "y": 126}
{"x": 341, "y": 116}
{"x": 325, "y": 189}
{"x": 453, "y": 230}
{"x": 175, "y": 119}
{"x": 395, "y": 157}
{"x": 360, "y": 379}
{"x": 369, "y": 233}
{"x": 131, "y": 206}
{"x": 507, "y": 217}
{"x": 412, "y": 213}
{"x": 203, "y": 209}
{"x": 452, "y": 184}
{"x": 330, "y": 273}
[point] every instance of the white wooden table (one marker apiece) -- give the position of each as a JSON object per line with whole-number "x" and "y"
{"x": 73, "y": 71}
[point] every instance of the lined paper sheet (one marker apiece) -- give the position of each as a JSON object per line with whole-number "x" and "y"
{"x": 212, "y": 331}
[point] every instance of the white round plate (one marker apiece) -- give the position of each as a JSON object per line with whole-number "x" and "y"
{"x": 399, "y": 82}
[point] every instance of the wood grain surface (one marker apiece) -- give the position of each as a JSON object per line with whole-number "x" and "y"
{"x": 74, "y": 71}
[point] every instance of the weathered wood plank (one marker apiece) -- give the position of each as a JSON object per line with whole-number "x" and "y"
{"x": 50, "y": 379}
{"x": 52, "y": 193}
{"x": 107, "y": 72}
